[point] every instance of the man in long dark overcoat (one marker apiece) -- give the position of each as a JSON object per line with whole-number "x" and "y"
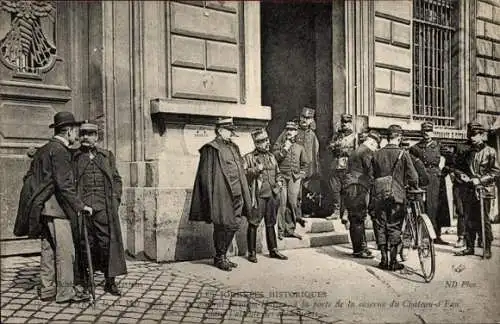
{"x": 429, "y": 152}
{"x": 220, "y": 194}
{"x": 50, "y": 210}
{"x": 99, "y": 184}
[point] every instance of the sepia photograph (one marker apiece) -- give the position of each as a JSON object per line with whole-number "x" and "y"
{"x": 273, "y": 161}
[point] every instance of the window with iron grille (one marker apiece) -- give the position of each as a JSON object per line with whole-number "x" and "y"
{"x": 432, "y": 62}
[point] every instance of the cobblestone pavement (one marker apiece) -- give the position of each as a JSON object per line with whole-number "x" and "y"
{"x": 151, "y": 293}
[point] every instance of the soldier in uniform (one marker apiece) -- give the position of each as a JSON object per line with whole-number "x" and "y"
{"x": 293, "y": 165}
{"x": 308, "y": 139}
{"x": 99, "y": 185}
{"x": 220, "y": 194}
{"x": 357, "y": 189}
{"x": 429, "y": 152}
{"x": 341, "y": 147}
{"x": 389, "y": 161}
{"x": 266, "y": 183}
{"x": 477, "y": 167}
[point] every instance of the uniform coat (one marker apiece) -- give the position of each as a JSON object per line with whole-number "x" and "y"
{"x": 430, "y": 154}
{"x": 105, "y": 161}
{"x": 212, "y": 200}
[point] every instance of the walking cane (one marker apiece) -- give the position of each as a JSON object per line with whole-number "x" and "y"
{"x": 480, "y": 190}
{"x": 89, "y": 259}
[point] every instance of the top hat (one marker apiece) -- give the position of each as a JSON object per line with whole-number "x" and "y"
{"x": 225, "y": 122}
{"x": 375, "y": 135}
{"x": 291, "y": 125}
{"x": 64, "y": 118}
{"x": 88, "y": 127}
{"x": 346, "y": 118}
{"x": 259, "y": 135}
{"x": 395, "y": 129}
{"x": 308, "y": 112}
{"x": 427, "y": 127}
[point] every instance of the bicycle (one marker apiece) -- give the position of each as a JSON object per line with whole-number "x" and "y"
{"x": 417, "y": 233}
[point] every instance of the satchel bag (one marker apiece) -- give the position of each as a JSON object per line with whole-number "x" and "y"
{"x": 385, "y": 188}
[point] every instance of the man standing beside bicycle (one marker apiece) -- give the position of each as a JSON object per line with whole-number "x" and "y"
{"x": 392, "y": 171}
{"x": 429, "y": 152}
{"x": 478, "y": 168}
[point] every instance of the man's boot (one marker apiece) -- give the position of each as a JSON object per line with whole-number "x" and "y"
{"x": 394, "y": 264}
{"x": 487, "y": 250}
{"x": 272, "y": 244}
{"x": 384, "y": 262}
{"x": 219, "y": 244}
{"x": 111, "y": 287}
{"x": 228, "y": 240}
{"x": 252, "y": 243}
{"x": 469, "y": 243}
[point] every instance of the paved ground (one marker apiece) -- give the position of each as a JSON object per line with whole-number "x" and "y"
{"x": 152, "y": 293}
{"x": 322, "y": 285}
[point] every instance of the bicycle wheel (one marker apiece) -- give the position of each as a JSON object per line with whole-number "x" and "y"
{"x": 406, "y": 240}
{"x": 425, "y": 245}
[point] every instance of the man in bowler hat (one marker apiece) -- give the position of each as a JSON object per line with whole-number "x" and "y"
{"x": 221, "y": 195}
{"x": 266, "y": 183}
{"x": 99, "y": 185}
{"x": 59, "y": 218}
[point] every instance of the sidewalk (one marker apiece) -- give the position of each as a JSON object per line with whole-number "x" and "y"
{"x": 151, "y": 293}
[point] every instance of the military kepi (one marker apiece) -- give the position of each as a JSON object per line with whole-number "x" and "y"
{"x": 308, "y": 112}
{"x": 427, "y": 127}
{"x": 64, "y": 118}
{"x": 259, "y": 135}
{"x": 475, "y": 128}
{"x": 346, "y": 118}
{"x": 375, "y": 135}
{"x": 291, "y": 125}
{"x": 225, "y": 122}
{"x": 395, "y": 129}
{"x": 88, "y": 127}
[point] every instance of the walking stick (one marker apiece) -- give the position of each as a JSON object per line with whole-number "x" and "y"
{"x": 480, "y": 190}
{"x": 89, "y": 259}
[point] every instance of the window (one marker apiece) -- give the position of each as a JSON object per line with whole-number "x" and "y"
{"x": 432, "y": 62}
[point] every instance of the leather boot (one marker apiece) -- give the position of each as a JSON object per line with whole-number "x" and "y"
{"x": 111, "y": 287}
{"x": 252, "y": 243}
{"x": 384, "y": 262}
{"x": 487, "y": 250}
{"x": 394, "y": 264}
{"x": 272, "y": 244}
{"x": 469, "y": 243}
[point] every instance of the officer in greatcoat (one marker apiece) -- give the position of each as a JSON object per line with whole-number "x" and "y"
{"x": 221, "y": 195}
{"x": 293, "y": 164}
{"x": 99, "y": 185}
{"x": 429, "y": 152}
{"x": 477, "y": 168}
{"x": 393, "y": 161}
{"x": 266, "y": 183}
{"x": 52, "y": 174}
{"x": 341, "y": 146}
{"x": 358, "y": 184}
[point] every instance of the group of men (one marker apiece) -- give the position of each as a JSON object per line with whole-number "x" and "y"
{"x": 64, "y": 184}
{"x": 268, "y": 183}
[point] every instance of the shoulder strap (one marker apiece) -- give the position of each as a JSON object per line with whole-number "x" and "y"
{"x": 397, "y": 160}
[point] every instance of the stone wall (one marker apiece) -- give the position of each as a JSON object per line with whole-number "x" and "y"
{"x": 488, "y": 60}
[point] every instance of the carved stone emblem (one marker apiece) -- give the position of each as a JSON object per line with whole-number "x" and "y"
{"x": 27, "y": 33}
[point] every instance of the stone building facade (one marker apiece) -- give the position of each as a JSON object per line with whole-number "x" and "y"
{"x": 155, "y": 75}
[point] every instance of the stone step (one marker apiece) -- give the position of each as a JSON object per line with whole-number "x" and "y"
{"x": 318, "y": 225}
